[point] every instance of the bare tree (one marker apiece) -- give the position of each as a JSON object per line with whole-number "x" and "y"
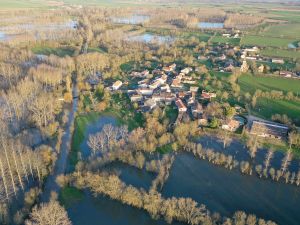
{"x": 48, "y": 214}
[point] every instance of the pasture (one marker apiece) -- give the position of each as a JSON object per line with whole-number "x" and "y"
{"x": 281, "y": 53}
{"x": 249, "y": 83}
{"x": 262, "y": 41}
{"x": 282, "y": 31}
{"x": 265, "y": 108}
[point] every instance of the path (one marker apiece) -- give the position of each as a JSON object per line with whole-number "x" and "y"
{"x": 61, "y": 162}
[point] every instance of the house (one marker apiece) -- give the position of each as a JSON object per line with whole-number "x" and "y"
{"x": 197, "y": 110}
{"x": 287, "y": 74}
{"x": 169, "y": 68}
{"x": 261, "y": 68}
{"x": 268, "y": 129}
{"x": 226, "y": 35}
{"x": 136, "y": 98}
{"x": 155, "y": 85}
{"x": 151, "y": 103}
{"x": 229, "y": 68}
{"x": 145, "y": 91}
{"x": 208, "y": 95}
{"x": 278, "y": 61}
{"x": 194, "y": 88}
{"x": 186, "y": 70}
{"x": 181, "y": 107}
{"x": 244, "y": 67}
{"x": 176, "y": 83}
{"x": 117, "y": 85}
{"x": 232, "y": 125}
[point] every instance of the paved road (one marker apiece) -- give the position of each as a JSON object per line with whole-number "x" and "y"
{"x": 61, "y": 162}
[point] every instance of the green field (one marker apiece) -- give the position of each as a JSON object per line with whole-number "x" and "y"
{"x": 266, "y": 41}
{"x": 61, "y": 52}
{"x": 265, "y": 108}
{"x": 249, "y": 83}
{"x": 292, "y": 54}
{"x": 282, "y": 30}
{"x": 225, "y": 40}
{"x": 291, "y": 16}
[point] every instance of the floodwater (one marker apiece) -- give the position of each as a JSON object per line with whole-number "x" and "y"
{"x": 151, "y": 38}
{"x": 220, "y": 189}
{"x": 8, "y": 32}
{"x": 207, "y": 25}
{"x": 240, "y": 152}
{"x": 134, "y": 19}
{"x": 2, "y": 36}
{"x": 227, "y": 191}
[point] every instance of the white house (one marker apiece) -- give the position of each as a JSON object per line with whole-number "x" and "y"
{"x": 117, "y": 85}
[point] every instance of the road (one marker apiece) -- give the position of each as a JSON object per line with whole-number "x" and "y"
{"x": 61, "y": 162}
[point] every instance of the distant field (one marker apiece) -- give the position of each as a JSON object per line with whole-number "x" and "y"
{"x": 63, "y": 51}
{"x": 281, "y": 53}
{"x": 224, "y": 40}
{"x": 283, "y": 30}
{"x": 249, "y": 83}
{"x": 267, "y": 107}
{"x": 266, "y": 41}
{"x": 290, "y": 16}
{"x": 6, "y": 4}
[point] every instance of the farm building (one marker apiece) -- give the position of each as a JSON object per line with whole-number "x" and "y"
{"x": 272, "y": 130}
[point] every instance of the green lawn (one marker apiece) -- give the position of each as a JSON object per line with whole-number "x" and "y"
{"x": 292, "y": 54}
{"x": 266, "y": 41}
{"x": 61, "y": 52}
{"x": 249, "y": 83}
{"x": 267, "y": 107}
{"x": 293, "y": 17}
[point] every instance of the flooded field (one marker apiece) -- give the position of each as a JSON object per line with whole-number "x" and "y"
{"x": 221, "y": 190}
{"x": 227, "y": 191}
{"x": 151, "y": 38}
{"x": 134, "y": 19}
{"x": 207, "y": 25}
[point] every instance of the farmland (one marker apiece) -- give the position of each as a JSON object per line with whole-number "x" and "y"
{"x": 249, "y": 83}
{"x": 291, "y": 54}
{"x": 266, "y": 41}
{"x": 265, "y": 108}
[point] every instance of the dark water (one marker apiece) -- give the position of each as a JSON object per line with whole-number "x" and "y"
{"x": 219, "y": 189}
{"x": 104, "y": 211}
{"x": 226, "y": 191}
{"x": 132, "y": 175}
{"x": 240, "y": 152}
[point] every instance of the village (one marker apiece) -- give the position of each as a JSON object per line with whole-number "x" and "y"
{"x": 170, "y": 86}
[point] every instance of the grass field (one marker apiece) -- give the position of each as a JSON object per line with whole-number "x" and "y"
{"x": 225, "y": 40}
{"x": 61, "y": 52}
{"x": 78, "y": 136}
{"x": 292, "y": 54}
{"x": 266, "y": 41}
{"x": 249, "y": 83}
{"x": 290, "y": 16}
{"x": 265, "y": 108}
{"x": 282, "y": 30}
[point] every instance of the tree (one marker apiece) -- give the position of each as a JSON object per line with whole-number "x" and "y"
{"x": 48, "y": 214}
